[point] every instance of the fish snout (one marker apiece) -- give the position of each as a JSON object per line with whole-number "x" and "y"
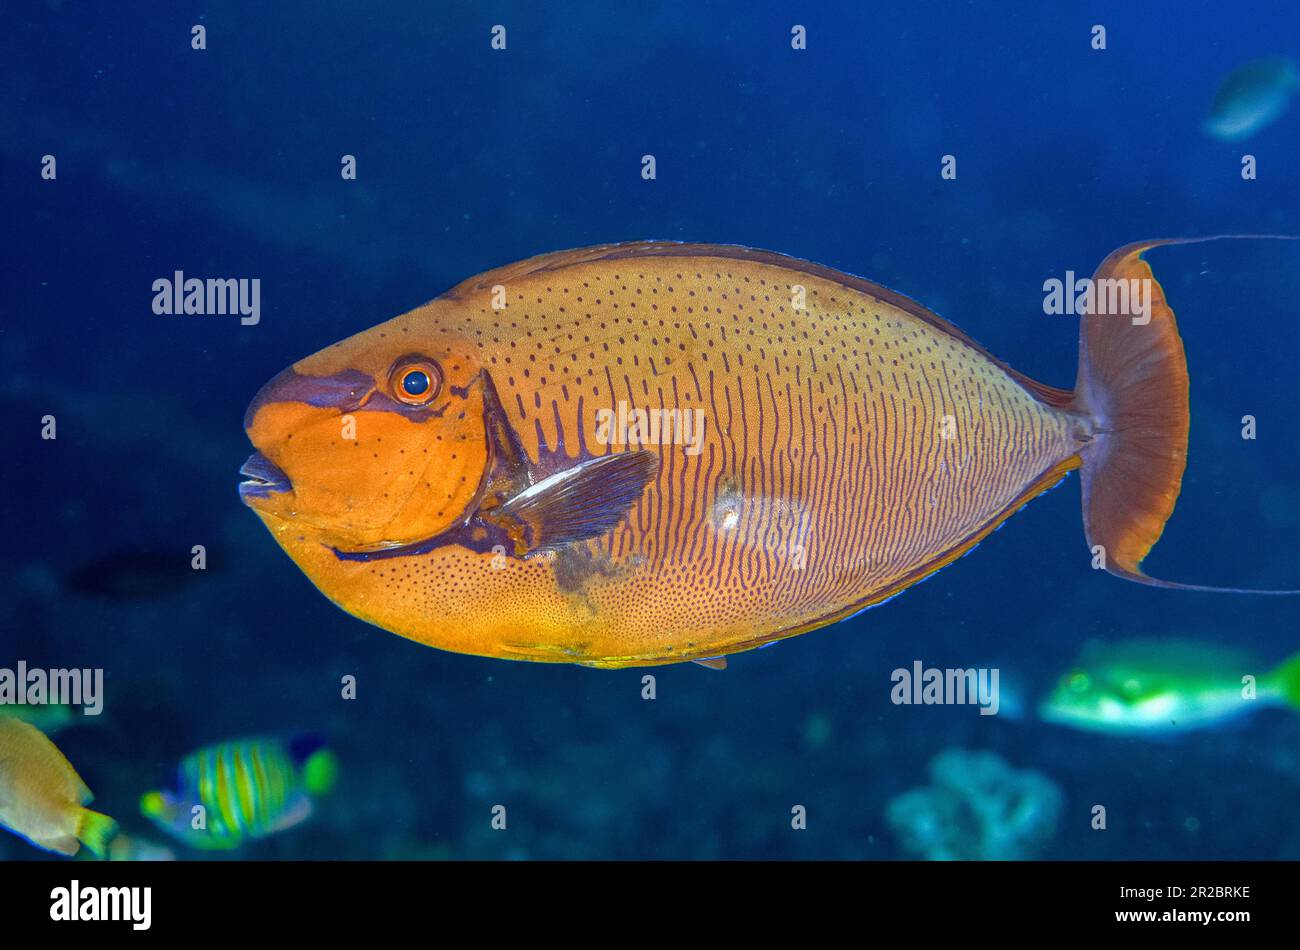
{"x": 343, "y": 391}
{"x": 262, "y": 478}
{"x": 277, "y": 413}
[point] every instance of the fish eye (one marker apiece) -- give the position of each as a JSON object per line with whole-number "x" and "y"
{"x": 416, "y": 382}
{"x": 1079, "y": 681}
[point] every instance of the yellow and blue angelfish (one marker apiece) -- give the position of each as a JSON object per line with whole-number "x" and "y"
{"x": 243, "y": 789}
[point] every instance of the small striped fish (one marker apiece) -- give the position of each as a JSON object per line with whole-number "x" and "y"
{"x": 244, "y": 789}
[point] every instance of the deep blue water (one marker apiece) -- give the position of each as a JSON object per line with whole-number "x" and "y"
{"x": 225, "y": 162}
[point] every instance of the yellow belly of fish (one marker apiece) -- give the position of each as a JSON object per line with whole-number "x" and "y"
{"x": 849, "y": 449}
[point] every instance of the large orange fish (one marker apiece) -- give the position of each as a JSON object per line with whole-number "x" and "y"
{"x": 647, "y": 453}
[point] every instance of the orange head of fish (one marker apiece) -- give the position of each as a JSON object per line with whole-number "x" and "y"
{"x": 374, "y": 443}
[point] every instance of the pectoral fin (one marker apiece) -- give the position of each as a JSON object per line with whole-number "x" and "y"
{"x": 578, "y": 503}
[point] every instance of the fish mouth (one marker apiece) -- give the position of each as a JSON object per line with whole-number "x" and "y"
{"x": 262, "y": 478}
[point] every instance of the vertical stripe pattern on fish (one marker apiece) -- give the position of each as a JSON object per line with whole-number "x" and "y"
{"x": 649, "y": 453}
{"x": 241, "y": 790}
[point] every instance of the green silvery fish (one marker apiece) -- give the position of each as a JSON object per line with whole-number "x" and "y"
{"x": 50, "y": 718}
{"x": 1164, "y": 687}
{"x": 1251, "y": 97}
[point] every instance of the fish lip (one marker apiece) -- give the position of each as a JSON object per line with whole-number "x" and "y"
{"x": 263, "y": 478}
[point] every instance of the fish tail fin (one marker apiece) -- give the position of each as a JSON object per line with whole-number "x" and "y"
{"x": 154, "y": 805}
{"x": 94, "y": 831}
{"x": 1133, "y": 388}
{"x": 318, "y": 765}
{"x": 1287, "y": 677}
{"x": 320, "y": 772}
{"x": 1132, "y": 397}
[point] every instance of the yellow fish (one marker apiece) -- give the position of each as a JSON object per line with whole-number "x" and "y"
{"x": 42, "y": 798}
{"x": 647, "y": 453}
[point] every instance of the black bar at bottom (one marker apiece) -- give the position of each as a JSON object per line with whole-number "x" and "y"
{"x": 331, "y": 899}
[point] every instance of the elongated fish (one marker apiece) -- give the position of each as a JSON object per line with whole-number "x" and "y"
{"x": 1161, "y": 687}
{"x": 638, "y": 454}
{"x": 49, "y": 718}
{"x": 1252, "y": 97}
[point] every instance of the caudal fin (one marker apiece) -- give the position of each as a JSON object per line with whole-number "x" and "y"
{"x": 320, "y": 772}
{"x": 1132, "y": 390}
{"x": 94, "y": 830}
{"x": 1288, "y": 681}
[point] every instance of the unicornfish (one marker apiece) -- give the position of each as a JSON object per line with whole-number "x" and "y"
{"x": 638, "y": 454}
